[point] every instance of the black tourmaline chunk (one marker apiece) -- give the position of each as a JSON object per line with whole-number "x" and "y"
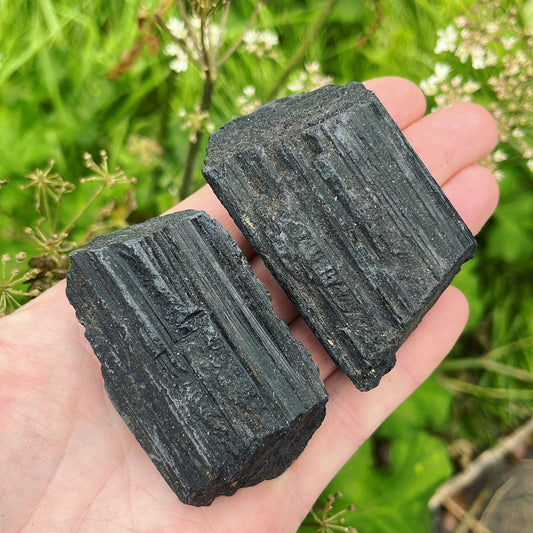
{"x": 209, "y": 380}
{"x": 345, "y": 215}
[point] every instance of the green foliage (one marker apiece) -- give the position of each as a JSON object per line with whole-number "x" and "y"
{"x": 391, "y": 477}
{"x": 52, "y": 227}
{"x": 485, "y": 56}
{"x": 81, "y": 77}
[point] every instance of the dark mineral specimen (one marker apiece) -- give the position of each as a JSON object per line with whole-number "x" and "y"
{"x": 207, "y": 377}
{"x": 345, "y": 215}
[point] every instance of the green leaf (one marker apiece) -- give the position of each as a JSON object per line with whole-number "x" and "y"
{"x": 396, "y": 499}
{"x": 511, "y": 235}
{"x": 348, "y": 11}
{"x": 469, "y": 282}
{"x": 428, "y": 407}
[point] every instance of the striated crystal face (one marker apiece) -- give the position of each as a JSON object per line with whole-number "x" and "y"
{"x": 345, "y": 215}
{"x": 208, "y": 378}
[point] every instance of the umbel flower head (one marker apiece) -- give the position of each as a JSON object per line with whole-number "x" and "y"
{"x": 487, "y": 53}
{"x": 205, "y": 8}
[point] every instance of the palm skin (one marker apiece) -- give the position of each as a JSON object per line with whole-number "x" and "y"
{"x": 69, "y": 463}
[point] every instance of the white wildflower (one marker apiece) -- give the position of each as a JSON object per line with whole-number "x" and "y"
{"x": 172, "y": 49}
{"x": 447, "y": 40}
{"x": 180, "y": 61}
{"x": 177, "y": 28}
{"x": 441, "y": 71}
{"x": 318, "y": 80}
{"x": 456, "y": 81}
{"x": 251, "y": 37}
{"x": 249, "y": 91}
{"x": 479, "y": 57}
{"x": 518, "y": 133}
{"x": 530, "y": 165}
{"x": 521, "y": 58}
{"x": 259, "y": 42}
{"x": 440, "y": 100}
{"x": 471, "y": 86}
{"x": 462, "y": 53}
{"x": 215, "y": 35}
{"x": 509, "y": 42}
{"x": 309, "y": 79}
{"x": 246, "y": 101}
{"x": 498, "y": 156}
{"x": 429, "y": 86}
{"x": 492, "y": 59}
{"x": 312, "y": 67}
{"x": 499, "y": 174}
{"x": 461, "y": 21}
{"x": 512, "y": 68}
{"x": 269, "y": 39}
{"x": 297, "y": 84}
{"x": 196, "y": 22}
{"x": 251, "y": 41}
{"x": 492, "y": 27}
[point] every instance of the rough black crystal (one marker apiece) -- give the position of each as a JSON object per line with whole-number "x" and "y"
{"x": 345, "y": 215}
{"x": 210, "y": 381}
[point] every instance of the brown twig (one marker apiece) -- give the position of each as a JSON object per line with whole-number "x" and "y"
{"x": 373, "y": 29}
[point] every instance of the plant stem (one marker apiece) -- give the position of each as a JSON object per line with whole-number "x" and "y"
{"x": 165, "y": 110}
{"x": 302, "y": 49}
{"x": 459, "y": 386}
{"x": 238, "y": 42}
{"x": 194, "y": 146}
{"x": 373, "y": 28}
{"x": 68, "y": 228}
{"x": 490, "y": 365}
{"x": 501, "y": 351}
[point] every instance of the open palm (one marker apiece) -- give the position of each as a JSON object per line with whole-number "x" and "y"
{"x": 69, "y": 463}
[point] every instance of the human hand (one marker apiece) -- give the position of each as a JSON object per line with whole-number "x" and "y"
{"x": 68, "y": 462}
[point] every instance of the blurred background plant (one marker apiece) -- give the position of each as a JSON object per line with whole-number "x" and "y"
{"x": 147, "y": 81}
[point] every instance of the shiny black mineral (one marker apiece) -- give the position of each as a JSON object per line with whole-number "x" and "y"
{"x": 209, "y": 380}
{"x": 345, "y": 215}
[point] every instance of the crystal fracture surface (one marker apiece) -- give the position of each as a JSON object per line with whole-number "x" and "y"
{"x": 209, "y": 380}
{"x": 345, "y": 215}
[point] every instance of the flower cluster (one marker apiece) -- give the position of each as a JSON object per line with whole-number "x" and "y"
{"x": 487, "y": 56}
{"x": 309, "y": 79}
{"x": 196, "y": 122}
{"x": 50, "y": 237}
{"x": 204, "y": 9}
{"x": 247, "y": 100}
{"x": 180, "y": 59}
{"x": 189, "y": 39}
{"x": 447, "y": 89}
{"x": 12, "y": 282}
{"x": 328, "y": 519}
{"x": 197, "y": 38}
{"x": 146, "y": 149}
{"x": 261, "y": 43}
